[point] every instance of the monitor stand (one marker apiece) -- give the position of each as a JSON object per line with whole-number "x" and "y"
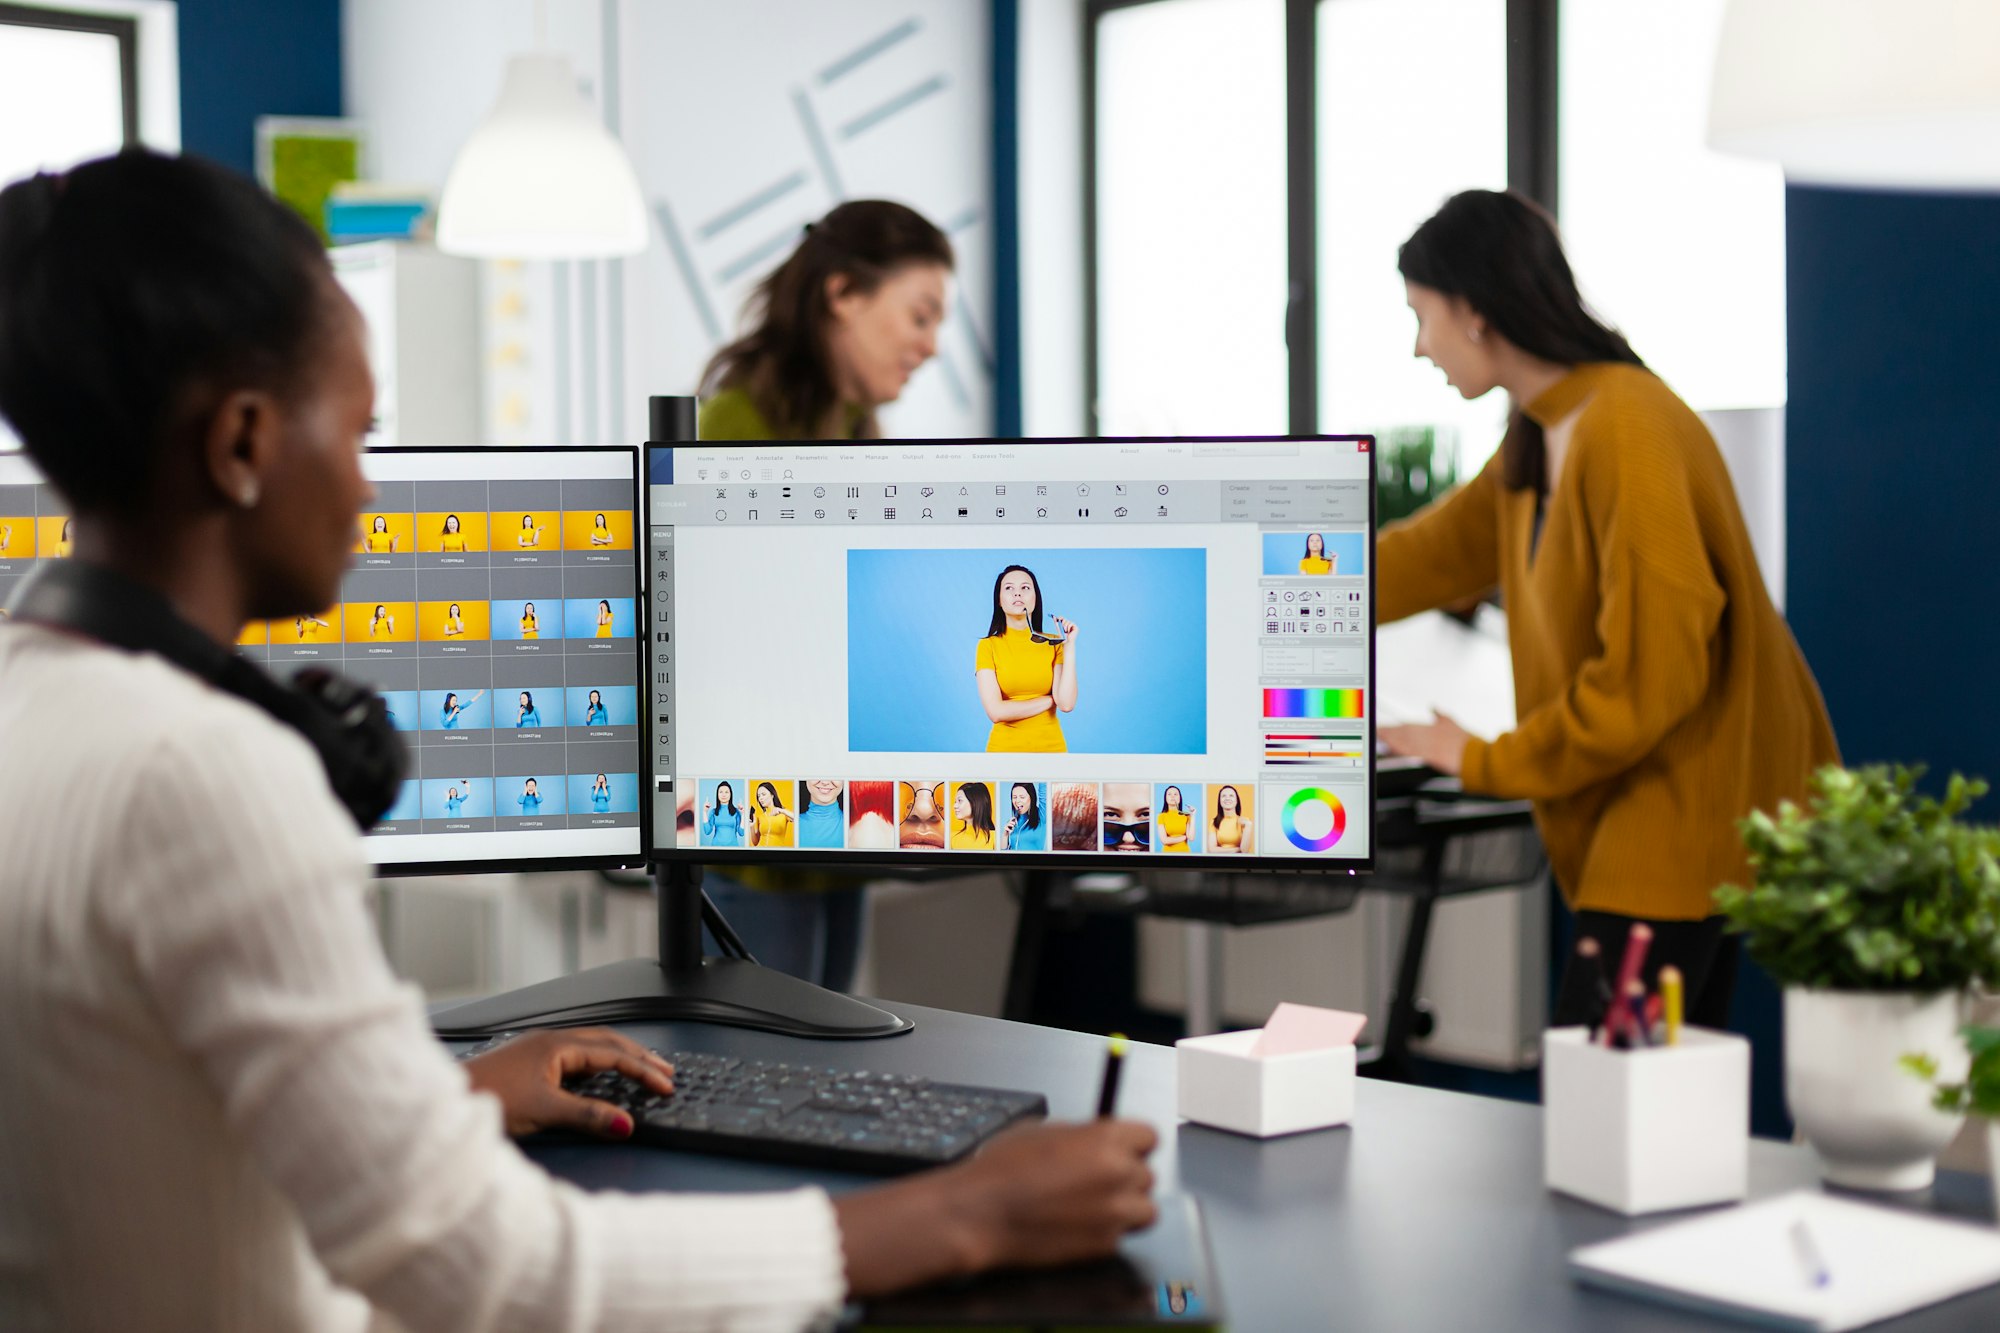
{"x": 682, "y": 986}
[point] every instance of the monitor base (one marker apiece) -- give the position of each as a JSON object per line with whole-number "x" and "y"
{"x": 638, "y": 990}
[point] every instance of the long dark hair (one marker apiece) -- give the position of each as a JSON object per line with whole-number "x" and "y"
{"x": 783, "y": 362}
{"x": 135, "y": 291}
{"x": 1502, "y": 255}
{"x": 999, "y": 625}
{"x": 1032, "y": 816}
{"x": 451, "y": 524}
{"x": 1309, "y": 545}
{"x": 1218, "y": 804}
{"x": 979, "y": 806}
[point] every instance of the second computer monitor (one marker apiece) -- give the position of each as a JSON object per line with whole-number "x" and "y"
{"x": 1019, "y": 652}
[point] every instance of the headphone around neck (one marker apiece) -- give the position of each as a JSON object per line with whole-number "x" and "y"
{"x": 345, "y": 723}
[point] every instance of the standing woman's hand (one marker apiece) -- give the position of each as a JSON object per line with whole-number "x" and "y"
{"x": 1439, "y": 743}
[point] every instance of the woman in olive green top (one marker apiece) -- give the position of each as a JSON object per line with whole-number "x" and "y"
{"x": 837, "y": 331}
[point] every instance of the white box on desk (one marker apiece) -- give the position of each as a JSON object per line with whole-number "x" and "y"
{"x": 1224, "y": 1086}
{"x": 1647, "y": 1130}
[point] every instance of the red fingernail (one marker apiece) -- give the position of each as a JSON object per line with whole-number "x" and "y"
{"x": 621, "y": 1124}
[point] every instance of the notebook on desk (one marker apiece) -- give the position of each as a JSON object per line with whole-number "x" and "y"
{"x": 1804, "y": 1260}
{"x": 1163, "y": 1276}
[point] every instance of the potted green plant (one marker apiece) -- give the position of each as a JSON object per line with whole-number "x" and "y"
{"x": 1876, "y": 908}
{"x": 1979, "y": 1094}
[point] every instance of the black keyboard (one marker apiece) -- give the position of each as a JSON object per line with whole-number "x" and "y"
{"x": 841, "y": 1119}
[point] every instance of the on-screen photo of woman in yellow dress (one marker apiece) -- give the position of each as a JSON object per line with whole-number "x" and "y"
{"x": 380, "y": 541}
{"x": 1171, "y": 821}
{"x": 771, "y": 825}
{"x": 454, "y": 621}
{"x": 64, "y": 546}
{"x": 972, "y": 818}
{"x": 530, "y": 535}
{"x": 600, "y": 532}
{"x": 1231, "y": 824}
{"x": 381, "y": 623}
{"x": 531, "y": 625}
{"x": 1025, "y": 676}
{"x": 603, "y": 619}
{"x": 453, "y": 538}
{"x": 1317, "y": 561}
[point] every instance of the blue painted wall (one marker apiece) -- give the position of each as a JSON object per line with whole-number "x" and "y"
{"x": 1892, "y": 495}
{"x": 241, "y": 59}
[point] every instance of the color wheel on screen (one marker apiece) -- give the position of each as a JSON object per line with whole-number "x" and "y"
{"x": 1305, "y": 799}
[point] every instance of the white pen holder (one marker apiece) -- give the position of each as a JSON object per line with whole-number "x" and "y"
{"x": 1224, "y": 1086}
{"x": 1646, "y": 1130}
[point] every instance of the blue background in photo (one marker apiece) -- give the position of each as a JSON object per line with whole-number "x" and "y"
{"x": 915, "y": 618}
{"x": 404, "y": 709}
{"x": 479, "y": 807}
{"x": 554, "y": 793}
{"x": 621, "y": 703}
{"x": 409, "y": 804}
{"x": 548, "y": 618}
{"x": 548, "y": 701}
{"x": 1004, "y": 811}
{"x": 624, "y": 793}
{"x": 477, "y": 715}
{"x": 1284, "y": 550}
{"x": 1191, "y": 794}
{"x": 580, "y": 617}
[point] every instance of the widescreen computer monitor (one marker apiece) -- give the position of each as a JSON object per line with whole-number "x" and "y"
{"x": 494, "y": 604}
{"x": 1030, "y": 654}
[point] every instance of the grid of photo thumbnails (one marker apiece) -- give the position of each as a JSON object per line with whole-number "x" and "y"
{"x": 935, "y": 815}
{"x": 496, "y": 620}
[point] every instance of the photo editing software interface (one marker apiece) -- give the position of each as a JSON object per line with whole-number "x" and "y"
{"x": 493, "y": 603}
{"x": 1158, "y": 648}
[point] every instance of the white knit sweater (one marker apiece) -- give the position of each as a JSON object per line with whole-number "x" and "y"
{"x": 218, "y": 1108}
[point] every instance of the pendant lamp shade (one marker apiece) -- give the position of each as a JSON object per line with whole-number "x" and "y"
{"x": 1887, "y": 94}
{"x": 541, "y": 178}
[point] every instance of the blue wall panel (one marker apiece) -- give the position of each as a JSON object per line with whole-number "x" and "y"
{"x": 241, "y": 59}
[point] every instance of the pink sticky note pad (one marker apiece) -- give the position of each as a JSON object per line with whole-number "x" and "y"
{"x": 1303, "y": 1027}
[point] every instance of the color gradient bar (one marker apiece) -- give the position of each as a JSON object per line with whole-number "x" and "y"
{"x": 1314, "y": 703}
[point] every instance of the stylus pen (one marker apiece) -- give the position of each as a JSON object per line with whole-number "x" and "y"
{"x": 1114, "y": 1061}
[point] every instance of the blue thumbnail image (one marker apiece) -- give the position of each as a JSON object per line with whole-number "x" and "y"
{"x": 603, "y": 793}
{"x": 721, "y": 812}
{"x": 1293, "y": 553}
{"x": 409, "y": 804}
{"x": 402, "y": 706}
{"x": 540, "y": 618}
{"x": 597, "y": 618}
{"x": 456, "y": 710}
{"x": 1023, "y": 816}
{"x": 603, "y": 706}
{"x": 540, "y": 794}
{"x": 1187, "y": 798}
{"x": 538, "y": 706}
{"x": 458, "y": 798}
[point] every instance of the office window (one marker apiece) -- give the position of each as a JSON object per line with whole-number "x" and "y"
{"x": 66, "y": 89}
{"x": 1412, "y": 108}
{"x": 1682, "y": 248}
{"x": 1190, "y": 217}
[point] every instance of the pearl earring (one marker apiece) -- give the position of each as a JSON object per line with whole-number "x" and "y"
{"x": 1473, "y": 333}
{"x": 247, "y": 497}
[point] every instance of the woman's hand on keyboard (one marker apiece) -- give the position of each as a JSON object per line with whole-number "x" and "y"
{"x": 1033, "y": 1197}
{"x": 527, "y": 1074}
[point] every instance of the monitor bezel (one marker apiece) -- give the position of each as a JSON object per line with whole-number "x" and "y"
{"x": 975, "y": 863}
{"x": 640, "y": 859}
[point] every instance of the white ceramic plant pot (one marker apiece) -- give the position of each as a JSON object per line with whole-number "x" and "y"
{"x": 1870, "y": 1119}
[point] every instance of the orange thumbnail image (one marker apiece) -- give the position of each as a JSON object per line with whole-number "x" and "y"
{"x": 380, "y": 622}
{"x": 255, "y": 634}
{"x": 529, "y": 530}
{"x": 449, "y": 532}
{"x": 442, "y": 622}
{"x": 971, "y": 820}
{"x": 382, "y": 533}
{"x": 52, "y": 537}
{"x": 920, "y": 815}
{"x": 17, "y": 537}
{"x": 321, "y": 628}
{"x": 597, "y": 529}
{"x": 1230, "y": 815}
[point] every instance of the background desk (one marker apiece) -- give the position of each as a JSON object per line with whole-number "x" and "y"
{"x": 1427, "y": 1213}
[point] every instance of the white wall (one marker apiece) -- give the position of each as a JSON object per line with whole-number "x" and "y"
{"x": 1051, "y": 217}
{"x": 720, "y": 105}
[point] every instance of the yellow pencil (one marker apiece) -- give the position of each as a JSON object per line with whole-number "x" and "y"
{"x": 1670, "y": 1002}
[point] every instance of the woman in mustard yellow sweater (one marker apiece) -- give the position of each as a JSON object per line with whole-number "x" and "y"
{"x": 1660, "y": 696}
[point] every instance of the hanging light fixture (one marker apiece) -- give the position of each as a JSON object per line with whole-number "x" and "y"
{"x": 541, "y": 178}
{"x": 1886, "y": 94}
